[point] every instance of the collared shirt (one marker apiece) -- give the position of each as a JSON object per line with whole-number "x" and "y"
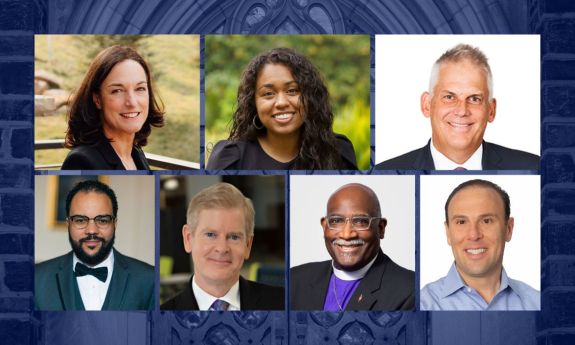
{"x": 441, "y": 162}
{"x": 451, "y": 293}
{"x": 92, "y": 290}
{"x": 205, "y": 300}
{"x": 353, "y": 275}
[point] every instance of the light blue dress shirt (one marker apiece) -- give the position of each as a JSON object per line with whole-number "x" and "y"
{"x": 451, "y": 293}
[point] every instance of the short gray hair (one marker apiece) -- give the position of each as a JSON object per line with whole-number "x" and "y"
{"x": 458, "y": 53}
{"x": 221, "y": 195}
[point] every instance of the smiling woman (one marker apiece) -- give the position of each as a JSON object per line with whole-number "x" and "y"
{"x": 283, "y": 119}
{"x": 112, "y": 113}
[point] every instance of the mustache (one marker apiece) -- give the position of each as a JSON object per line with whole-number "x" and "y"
{"x": 341, "y": 242}
{"x": 91, "y": 237}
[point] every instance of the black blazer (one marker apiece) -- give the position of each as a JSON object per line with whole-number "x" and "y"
{"x": 386, "y": 286}
{"x": 249, "y": 155}
{"x": 131, "y": 287}
{"x": 253, "y": 296}
{"x": 101, "y": 156}
{"x": 495, "y": 157}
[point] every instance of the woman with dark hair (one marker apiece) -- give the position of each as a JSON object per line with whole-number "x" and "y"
{"x": 283, "y": 119}
{"x": 112, "y": 113}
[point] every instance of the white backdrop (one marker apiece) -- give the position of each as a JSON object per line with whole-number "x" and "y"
{"x": 522, "y": 254}
{"x": 402, "y": 75}
{"x": 308, "y": 201}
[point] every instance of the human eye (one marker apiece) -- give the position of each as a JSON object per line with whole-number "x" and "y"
{"x": 448, "y": 98}
{"x": 116, "y": 91}
{"x": 210, "y": 234}
{"x": 360, "y": 222}
{"x": 103, "y": 220}
{"x": 235, "y": 237}
{"x": 488, "y": 220}
{"x": 293, "y": 91}
{"x": 335, "y": 221}
{"x": 141, "y": 89}
{"x": 475, "y": 99}
{"x": 79, "y": 220}
{"x": 459, "y": 221}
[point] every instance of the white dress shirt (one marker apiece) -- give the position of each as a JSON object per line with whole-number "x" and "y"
{"x": 205, "y": 300}
{"x": 92, "y": 290}
{"x": 441, "y": 162}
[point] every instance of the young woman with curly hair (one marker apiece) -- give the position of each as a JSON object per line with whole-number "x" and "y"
{"x": 283, "y": 119}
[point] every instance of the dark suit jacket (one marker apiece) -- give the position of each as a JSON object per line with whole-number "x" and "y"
{"x": 386, "y": 286}
{"x": 495, "y": 157}
{"x": 101, "y": 156}
{"x": 131, "y": 287}
{"x": 253, "y": 296}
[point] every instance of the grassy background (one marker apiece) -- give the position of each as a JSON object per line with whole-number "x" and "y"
{"x": 174, "y": 63}
{"x": 343, "y": 61}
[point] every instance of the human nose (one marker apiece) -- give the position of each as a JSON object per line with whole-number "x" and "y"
{"x": 221, "y": 245}
{"x": 461, "y": 108}
{"x": 130, "y": 98}
{"x": 474, "y": 232}
{"x": 91, "y": 227}
{"x": 347, "y": 231}
{"x": 281, "y": 100}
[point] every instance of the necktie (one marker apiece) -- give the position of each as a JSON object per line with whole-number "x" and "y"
{"x": 219, "y": 305}
{"x": 101, "y": 273}
{"x": 459, "y": 169}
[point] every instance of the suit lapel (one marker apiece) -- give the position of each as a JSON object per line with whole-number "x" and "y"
{"x": 109, "y": 155}
{"x": 368, "y": 292}
{"x": 317, "y": 288}
{"x": 424, "y": 160}
{"x": 68, "y": 287}
{"x": 118, "y": 284}
{"x": 248, "y": 299}
{"x": 491, "y": 158}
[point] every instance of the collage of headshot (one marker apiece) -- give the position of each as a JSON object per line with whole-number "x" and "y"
{"x": 287, "y": 173}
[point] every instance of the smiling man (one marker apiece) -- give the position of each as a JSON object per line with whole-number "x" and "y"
{"x": 359, "y": 276}
{"x": 460, "y": 104}
{"x": 219, "y": 235}
{"x": 477, "y": 225}
{"x": 94, "y": 275}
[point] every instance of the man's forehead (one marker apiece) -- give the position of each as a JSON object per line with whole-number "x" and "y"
{"x": 351, "y": 194}
{"x": 474, "y": 194}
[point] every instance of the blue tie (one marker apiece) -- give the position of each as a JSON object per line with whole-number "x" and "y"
{"x": 219, "y": 305}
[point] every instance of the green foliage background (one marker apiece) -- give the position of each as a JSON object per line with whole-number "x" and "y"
{"x": 174, "y": 62}
{"x": 344, "y": 62}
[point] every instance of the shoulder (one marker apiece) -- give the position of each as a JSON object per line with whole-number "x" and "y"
{"x": 530, "y": 298}
{"x": 346, "y": 151}
{"x": 430, "y": 295}
{"x": 184, "y": 300}
{"x": 265, "y": 289}
{"x": 134, "y": 265}
{"x": 310, "y": 269}
{"x": 142, "y": 162}
{"x": 511, "y": 158}
{"x": 258, "y": 296}
{"x": 404, "y": 161}
{"x": 401, "y": 276}
{"x": 83, "y": 157}
{"x": 52, "y": 265}
{"x": 226, "y": 154}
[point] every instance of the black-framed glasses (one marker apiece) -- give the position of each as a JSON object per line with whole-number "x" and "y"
{"x": 359, "y": 223}
{"x": 103, "y": 221}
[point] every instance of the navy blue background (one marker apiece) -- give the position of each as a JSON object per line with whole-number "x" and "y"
{"x": 554, "y": 20}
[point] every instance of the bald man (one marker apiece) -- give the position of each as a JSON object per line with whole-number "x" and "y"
{"x": 359, "y": 276}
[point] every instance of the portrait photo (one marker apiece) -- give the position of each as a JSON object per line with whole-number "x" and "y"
{"x": 116, "y": 102}
{"x": 219, "y": 230}
{"x": 108, "y": 231}
{"x": 477, "y": 225}
{"x": 503, "y": 111}
{"x": 287, "y": 102}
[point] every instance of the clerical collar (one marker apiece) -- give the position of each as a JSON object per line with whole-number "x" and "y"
{"x": 108, "y": 262}
{"x": 353, "y": 275}
{"x": 442, "y": 162}
{"x": 205, "y": 300}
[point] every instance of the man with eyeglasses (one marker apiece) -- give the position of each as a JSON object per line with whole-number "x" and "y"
{"x": 359, "y": 276}
{"x": 93, "y": 276}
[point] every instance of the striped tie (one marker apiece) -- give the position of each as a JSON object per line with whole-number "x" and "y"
{"x": 219, "y": 305}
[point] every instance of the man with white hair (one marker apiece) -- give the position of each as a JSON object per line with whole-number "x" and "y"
{"x": 460, "y": 104}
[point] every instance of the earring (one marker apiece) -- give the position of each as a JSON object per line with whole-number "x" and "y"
{"x": 255, "y": 125}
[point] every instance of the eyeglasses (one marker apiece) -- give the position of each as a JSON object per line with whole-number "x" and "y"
{"x": 359, "y": 223}
{"x": 101, "y": 221}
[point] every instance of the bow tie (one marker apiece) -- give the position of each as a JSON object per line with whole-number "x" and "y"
{"x": 101, "y": 273}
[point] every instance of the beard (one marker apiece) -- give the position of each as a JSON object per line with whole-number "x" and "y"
{"x": 101, "y": 255}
